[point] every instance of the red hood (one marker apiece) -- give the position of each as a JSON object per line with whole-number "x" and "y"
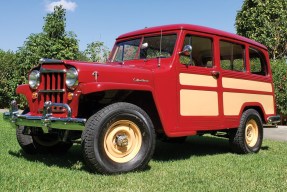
{"x": 111, "y": 72}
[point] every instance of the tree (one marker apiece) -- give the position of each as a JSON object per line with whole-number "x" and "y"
{"x": 53, "y": 42}
{"x": 96, "y": 52}
{"x": 7, "y": 80}
{"x": 279, "y": 73}
{"x": 265, "y": 21}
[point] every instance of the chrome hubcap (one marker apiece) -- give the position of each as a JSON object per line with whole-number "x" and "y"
{"x": 122, "y": 140}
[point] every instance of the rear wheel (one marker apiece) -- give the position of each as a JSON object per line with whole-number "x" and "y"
{"x": 44, "y": 143}
{"x": 119, "y": 138}
{"x": 249, "y": 135}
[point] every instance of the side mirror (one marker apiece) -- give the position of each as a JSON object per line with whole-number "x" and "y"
{"x": 187, "y": 49}
{"x": 144, "y": 45}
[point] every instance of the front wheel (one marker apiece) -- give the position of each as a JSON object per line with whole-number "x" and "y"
{"x": 249, "y": 135}
{"x": 119, "y": 138}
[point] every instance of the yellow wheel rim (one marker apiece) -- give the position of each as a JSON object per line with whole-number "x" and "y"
{"x": 251, "y": 133}
{"x": 122, "y": 141}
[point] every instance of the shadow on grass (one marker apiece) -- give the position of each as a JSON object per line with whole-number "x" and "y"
{"x": 194, "y": 146}
{"x": 71, "y": 160}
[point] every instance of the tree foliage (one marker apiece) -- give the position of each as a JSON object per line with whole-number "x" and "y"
{"x": 53, "y": 42}
{"x": 7, "y": 77}
{"x": 96, "y": 52}
{"x": 279, "y": 73}
{"x": 265, "y": 21}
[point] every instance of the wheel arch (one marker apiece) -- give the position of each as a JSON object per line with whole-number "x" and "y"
{"x": 144, "y": 99}
{"x": 258, "y": 108}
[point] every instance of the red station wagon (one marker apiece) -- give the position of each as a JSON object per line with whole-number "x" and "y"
{"x": 166, "y": 82}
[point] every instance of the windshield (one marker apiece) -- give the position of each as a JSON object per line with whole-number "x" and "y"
{"x": 150, "y": 47}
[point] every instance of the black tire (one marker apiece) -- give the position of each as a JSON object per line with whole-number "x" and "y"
{"x": 249, "y": 135}
{"x": 46, "y": 143}
{"x": 25, "y": 141}
{"x": 117, "y": 139}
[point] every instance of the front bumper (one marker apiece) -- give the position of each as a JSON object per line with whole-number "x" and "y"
{"x": 46, "y": 121}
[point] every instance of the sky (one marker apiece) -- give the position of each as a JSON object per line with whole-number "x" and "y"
{"x": 102, "y": 20}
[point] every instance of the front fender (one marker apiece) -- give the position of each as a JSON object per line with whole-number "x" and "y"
{"x": 92, "y": 87}
{"x": 23, "y": 89}
{"x": 27, "y": 92}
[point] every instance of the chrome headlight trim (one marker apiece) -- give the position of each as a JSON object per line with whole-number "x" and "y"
{"x": 34, "y": 79}
{"x": 72, "y": 78}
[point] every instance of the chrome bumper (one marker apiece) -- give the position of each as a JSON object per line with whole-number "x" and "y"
{"x": 46, "y": 121}
{"x": 272, "y": 121}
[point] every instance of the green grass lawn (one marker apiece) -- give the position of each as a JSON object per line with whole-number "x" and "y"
{"x": 201, "y": 164}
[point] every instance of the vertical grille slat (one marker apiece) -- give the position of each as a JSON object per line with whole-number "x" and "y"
{"x": 62, "y": 81}
{"x": 48, "y": 82}
{"x": 53, "y": 80}
{"x": 59, "y": 86}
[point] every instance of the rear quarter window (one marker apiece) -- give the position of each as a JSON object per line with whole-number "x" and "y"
{"x": 258, "y": 63}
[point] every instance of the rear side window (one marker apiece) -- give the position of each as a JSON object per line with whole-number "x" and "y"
{"x": 257, "y": 62}
{"x": 232, "y": 56}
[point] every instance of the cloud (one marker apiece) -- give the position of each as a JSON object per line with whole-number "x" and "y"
{"x": 67, "y": 4}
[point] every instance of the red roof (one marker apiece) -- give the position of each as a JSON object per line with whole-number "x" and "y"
{"x": 192, "y": 28}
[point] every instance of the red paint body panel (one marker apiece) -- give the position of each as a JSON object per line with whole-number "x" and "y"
{"x": 161, "y": 79}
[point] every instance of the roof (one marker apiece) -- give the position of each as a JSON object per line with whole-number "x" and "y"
{"x": 191, "y": 28}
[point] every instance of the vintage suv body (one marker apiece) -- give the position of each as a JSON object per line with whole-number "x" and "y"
{"x": 168, "y": 82}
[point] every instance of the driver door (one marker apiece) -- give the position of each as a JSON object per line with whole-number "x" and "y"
{"x": 198, "y": 85}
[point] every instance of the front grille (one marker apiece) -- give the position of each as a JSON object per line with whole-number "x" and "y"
{"x": 52, "y": 87}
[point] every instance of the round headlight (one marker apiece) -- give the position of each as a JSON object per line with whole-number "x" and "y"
{"x": 34, "y": 79}
{"x": 72, "y": 78}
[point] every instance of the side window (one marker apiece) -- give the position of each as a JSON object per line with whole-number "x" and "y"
{"x": 257, "y": 62}
{"x": 232, "y": 56}
{"x": 201, "y": 54}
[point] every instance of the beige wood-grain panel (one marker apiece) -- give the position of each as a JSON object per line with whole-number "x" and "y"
{"x": 197, "y": 80}
{"x": 198, "y": 103}
{"x": 246, "y": 84}
{"x": 232, "y": 102}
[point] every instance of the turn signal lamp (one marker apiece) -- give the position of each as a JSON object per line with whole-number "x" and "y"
{"x": 34, "y": 95}
{"x": 70, "y": 96}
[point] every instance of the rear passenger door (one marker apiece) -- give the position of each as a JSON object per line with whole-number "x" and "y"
{"x": 199, "y": 102}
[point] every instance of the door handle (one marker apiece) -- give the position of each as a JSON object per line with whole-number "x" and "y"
{"x": 215, "y": 74}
